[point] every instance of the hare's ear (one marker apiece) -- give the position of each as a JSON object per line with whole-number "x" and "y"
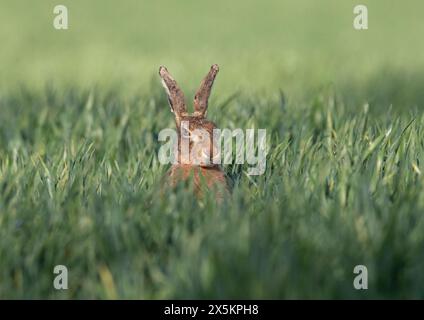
{"x": 175, "y": 95}
{"x": 202, "y": 95}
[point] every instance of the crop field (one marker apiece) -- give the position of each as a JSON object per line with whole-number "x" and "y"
{"x": 81, "y": 184}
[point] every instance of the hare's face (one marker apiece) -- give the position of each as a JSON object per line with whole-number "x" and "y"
{"x": 196, "y": 141}
{"x": 195, "y": 144}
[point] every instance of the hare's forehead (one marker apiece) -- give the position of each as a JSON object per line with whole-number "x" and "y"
{"x": 193, "y": 123}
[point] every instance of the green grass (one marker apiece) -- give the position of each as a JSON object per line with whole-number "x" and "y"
{"x": 80, "y": 181}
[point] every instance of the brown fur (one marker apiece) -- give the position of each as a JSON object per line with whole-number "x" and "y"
{"x": 213, "y": 177}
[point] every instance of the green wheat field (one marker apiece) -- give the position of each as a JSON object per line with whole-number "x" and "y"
{"x": 80, "y": 180}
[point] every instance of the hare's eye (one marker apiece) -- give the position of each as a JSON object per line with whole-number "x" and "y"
{"x": 185, "y": 133}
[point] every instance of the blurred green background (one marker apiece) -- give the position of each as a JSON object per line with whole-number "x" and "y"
{"x": 261, "y": 46}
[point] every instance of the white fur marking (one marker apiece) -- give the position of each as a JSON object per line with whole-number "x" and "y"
{"x": 169, "y": 94}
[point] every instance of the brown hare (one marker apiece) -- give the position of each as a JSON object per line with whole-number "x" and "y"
{"x": 195, "y": 151}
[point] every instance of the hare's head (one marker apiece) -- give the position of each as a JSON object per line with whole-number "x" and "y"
{"x": 195, "y": 133}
